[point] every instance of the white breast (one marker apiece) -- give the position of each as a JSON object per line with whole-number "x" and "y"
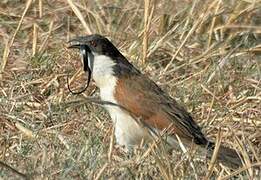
{"x": 127, "y": 131}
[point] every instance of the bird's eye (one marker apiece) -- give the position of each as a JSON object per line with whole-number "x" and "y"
{"x": 93, "y": 43}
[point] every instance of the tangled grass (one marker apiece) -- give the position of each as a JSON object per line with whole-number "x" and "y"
{"x": 206, "y": 54}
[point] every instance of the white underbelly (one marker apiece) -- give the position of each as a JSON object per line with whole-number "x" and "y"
{"x": 127, "y": 131}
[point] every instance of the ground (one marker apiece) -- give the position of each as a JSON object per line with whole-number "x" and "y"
{"x": 205, "y": 54}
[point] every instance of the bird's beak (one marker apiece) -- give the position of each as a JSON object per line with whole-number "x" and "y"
{"x": 76, "y": 43}
{"x": 86, "y": 55}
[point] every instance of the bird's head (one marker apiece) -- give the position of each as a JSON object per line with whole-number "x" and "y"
{"x": 95, "y": 44}
{"x": 101, "y": 58}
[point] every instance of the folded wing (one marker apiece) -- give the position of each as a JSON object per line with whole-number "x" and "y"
{"x": 143, "y": 98}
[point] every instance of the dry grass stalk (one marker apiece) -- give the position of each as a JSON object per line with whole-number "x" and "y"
{"x": 43, "y": 45}
{"x": 231, "y": 175}
{"x": 195, "y": 40}
{"x": 221, "y": 63}
{"x": 182, "y": 44}
{"x": 80, "y": 16}
{"x": 40, "y": 7}
{"x": 188, "y": 19}
{"x": 185, "y": 151}
{"x": 98, "y": 176}
{"x": 10, "y": 43}
{"x": 64, "y": 141}
{"x": 145, "y": 31}
{"x": 29, "y": 133}
{"x": 162, "y": 169}
{"x": 215, "y": 154}
{"x": 35, "y": 35}
{"x": 148, "y": 12}
{"x": 14, "y": 171}
{"x": 111, "y": 144}
{"x": 213, "y": 24}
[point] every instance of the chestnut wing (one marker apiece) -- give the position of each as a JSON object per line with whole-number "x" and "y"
{"x": 143, "y": 98}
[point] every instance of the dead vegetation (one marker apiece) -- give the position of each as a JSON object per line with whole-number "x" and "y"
{"x": 206, "y": 54}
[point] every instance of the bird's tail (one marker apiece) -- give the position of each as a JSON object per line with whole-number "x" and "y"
{"x": 227, "y": 156}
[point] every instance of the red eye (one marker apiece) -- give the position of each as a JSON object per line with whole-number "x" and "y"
{"x": 93, "y": 43}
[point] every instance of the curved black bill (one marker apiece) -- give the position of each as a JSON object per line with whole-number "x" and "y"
{"x": 84, "y": 50}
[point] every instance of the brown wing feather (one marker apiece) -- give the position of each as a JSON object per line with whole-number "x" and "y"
{"x": 145, "y": 99}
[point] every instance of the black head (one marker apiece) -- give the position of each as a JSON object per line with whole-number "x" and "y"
{"x": 96, "y": 44}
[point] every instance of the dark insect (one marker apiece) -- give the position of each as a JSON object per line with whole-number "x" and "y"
{"x": 84, "y": 50}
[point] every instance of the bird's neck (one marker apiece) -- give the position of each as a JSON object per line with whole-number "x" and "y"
{"x": 103, "y": 71}
{"x": 106, "y": 69}
{"x": 104, "y": 77}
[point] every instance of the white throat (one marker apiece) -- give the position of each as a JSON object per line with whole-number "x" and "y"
{"x": 103, "y": 77}
{"x": 103, "y": 71}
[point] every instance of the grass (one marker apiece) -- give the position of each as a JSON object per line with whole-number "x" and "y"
{"x": 206, "y": 54}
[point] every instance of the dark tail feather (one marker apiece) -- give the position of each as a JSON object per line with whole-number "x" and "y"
{"x": 227, "y": 156}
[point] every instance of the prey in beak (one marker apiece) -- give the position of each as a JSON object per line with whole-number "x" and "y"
{"x": 86, "y": 54}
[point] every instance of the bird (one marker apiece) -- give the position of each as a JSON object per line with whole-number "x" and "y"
{"x": 138, "y": 107}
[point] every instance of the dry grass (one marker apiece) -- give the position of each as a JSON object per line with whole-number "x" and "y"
{"x": 206, "y": 54}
